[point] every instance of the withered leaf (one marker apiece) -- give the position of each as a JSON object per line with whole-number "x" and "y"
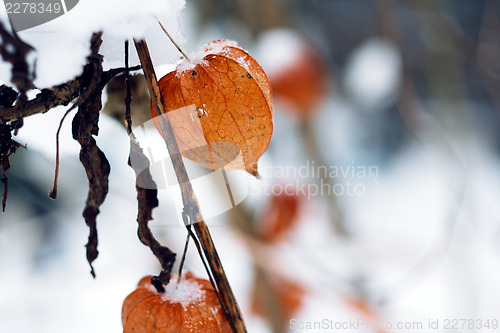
{"x": 148, "y": 200}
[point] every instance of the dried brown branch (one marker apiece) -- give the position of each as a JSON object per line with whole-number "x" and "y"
{"x": 191, "y": 206}
{"x": 47, "y": 99}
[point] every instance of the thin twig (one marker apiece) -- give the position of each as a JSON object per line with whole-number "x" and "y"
{"x": 173, "y": 41}
{"x": 200, "y": 252}
{"x": 48, "y": 99}
{"x": 191, "y": 206}
{"x": 128, "y": 94}
{"x": 207, "y": 269}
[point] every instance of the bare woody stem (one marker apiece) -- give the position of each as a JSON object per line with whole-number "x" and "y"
{"x": 48, "y": 99}
{"x": 191, "y": 206}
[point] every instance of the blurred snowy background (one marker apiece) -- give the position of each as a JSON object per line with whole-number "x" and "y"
{"x": 398, "y": 100}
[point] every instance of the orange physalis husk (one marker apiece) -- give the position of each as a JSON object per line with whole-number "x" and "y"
{"x": 297, "y": 69}
{"x": 190, "y": 306}
{"x": 219, "y": 105}
{"x": 305, "y": 82}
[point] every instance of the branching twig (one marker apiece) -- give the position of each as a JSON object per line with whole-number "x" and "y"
{"x": 191, "y": 206}
{"x": 183, "y": 258}
{"x": 47, "y": 99}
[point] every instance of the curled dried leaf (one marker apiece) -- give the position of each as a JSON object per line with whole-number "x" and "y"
{"x": 85, "y": 126}
{"x": 219, "y": 105}
{"x": 147, "y": 200}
